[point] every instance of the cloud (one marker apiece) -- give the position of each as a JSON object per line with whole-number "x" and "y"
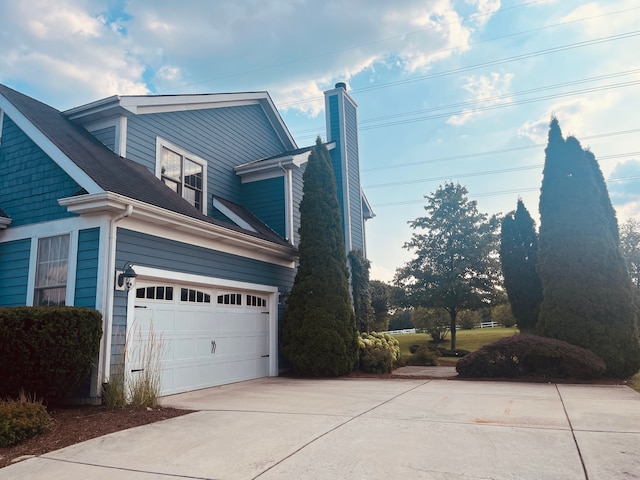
{"x": 383, "y": 274}
{"x": 576, "y": 117}
{"x": 293, "y": 49}
{"x": 624, "y": 189}
{"x": 485, "y": 91}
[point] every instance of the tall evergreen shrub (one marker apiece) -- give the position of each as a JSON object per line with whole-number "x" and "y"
{"x": 518, "y": 257}
{"x": 319, "y": 334}
{"x": 587, "y": 296}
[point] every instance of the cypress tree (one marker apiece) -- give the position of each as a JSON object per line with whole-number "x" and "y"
{"x": 360, "y": 266}
{"x": 519, "y": 256}
{"x": 319, "y": 335}
{"x": 587, "y": 297}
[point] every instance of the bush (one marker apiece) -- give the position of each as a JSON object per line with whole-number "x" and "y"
{"x": 47, "y": 350}
{"x": 526, "y": 354}
{"x": 22, "y": 419}
{"x": 379, "y": 352}
{"x": 422, "y": 357}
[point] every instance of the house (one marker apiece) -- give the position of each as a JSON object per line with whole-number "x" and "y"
{"x": 196, "y": 196}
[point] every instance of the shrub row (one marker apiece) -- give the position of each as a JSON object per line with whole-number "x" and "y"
{"x": 379, "y": 352}
{"x": 526, "y": 354}
{"x": 47, "y": 351}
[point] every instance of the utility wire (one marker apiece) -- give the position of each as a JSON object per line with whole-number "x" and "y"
{"x": 494, "y": 152}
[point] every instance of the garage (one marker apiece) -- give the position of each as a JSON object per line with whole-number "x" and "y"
{"x": 200, "y": 335}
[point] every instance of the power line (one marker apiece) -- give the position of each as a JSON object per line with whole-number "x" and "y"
{"x": 496, "y": 193}
{"x": 494, "y": 152}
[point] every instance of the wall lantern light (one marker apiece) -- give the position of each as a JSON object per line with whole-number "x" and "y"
{"x": 125, "y": 278}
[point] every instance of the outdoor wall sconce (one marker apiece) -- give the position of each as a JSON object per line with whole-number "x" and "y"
{"x": 125, "y": 277}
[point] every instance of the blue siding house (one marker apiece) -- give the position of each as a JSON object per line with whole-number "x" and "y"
{"x": 197, "y": 195}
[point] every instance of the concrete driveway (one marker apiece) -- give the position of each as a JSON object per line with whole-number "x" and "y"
{"x": 282, "y": 428}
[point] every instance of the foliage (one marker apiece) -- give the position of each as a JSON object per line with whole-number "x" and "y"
{"x": 434, "y": 321}
{"x": 588, "y": 296}
{"x": 423, "y": 357}
{"x": 518, "y": 257}
{"x": 630, "y": 249}
{"x": 458, "y": 352}
{"x": 380, "y": 303}
{"x": 319, "y": 335}
{"x": 143, "y": 387}
{"x": 456, "y": 265}
{"x": 47, "y": 350}
{"x": 379, "y": 352}
{"x": 503, "y": 315}
{"x": 527, "y": 354}
{"x": 469, "y": 319}
{"x": 401, "y": 319}
{"x": 21, "y": 419}
{"x": 360, "y": 290}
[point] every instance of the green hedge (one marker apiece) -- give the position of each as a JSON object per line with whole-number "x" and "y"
{"x": 379, "y": 352}
{"x": 47, "y": 351}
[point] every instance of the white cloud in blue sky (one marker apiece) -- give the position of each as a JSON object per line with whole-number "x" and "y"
{"x": 447, "y": 89}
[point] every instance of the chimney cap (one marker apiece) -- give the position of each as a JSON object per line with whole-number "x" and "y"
{"x": 341, "y": 85}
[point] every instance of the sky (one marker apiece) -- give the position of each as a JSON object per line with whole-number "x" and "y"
{"x": 447, "y": 90}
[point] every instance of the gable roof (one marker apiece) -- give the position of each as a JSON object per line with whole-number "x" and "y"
{"x": 103, "y": 170}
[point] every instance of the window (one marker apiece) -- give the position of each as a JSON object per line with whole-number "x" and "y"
{"x": 255, "y": 301}
{"x": 52, "y": 266}
{"x": 194, "y": 296}
{"x": 182, "y": 172}
{"x": 159, "y": 292}
{"x": 230, "y": 299}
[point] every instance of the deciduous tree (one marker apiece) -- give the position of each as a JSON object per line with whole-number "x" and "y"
{"x": 456, "y": 249}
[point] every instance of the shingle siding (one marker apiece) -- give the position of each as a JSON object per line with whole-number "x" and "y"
{"x": 14, "y": 272}
{"x": 31, "y": 183}
{"x": 297, "y": 188}
{"x": 265, "y": 199}
{"x": 224, "y": 137}
{"x": 355, "y": 200}
{"x": 87, "y": 268}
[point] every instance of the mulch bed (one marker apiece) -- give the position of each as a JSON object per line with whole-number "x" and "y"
{"x": 75, "y": 424}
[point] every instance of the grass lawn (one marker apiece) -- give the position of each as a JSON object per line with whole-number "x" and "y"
{"x": 466, "y": 339}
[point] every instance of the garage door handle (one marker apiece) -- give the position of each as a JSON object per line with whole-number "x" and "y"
{"x": 213, "y": 346}
{"x": 265, "y": 356}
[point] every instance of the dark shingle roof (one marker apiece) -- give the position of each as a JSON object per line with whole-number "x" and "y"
{"x": 109, "y": 171}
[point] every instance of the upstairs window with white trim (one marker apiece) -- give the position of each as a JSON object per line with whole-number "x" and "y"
{"x": 183, "y": 172}
{"x": 52, "y": 268}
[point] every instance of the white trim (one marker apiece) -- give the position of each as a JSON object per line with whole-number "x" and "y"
{"x": 156, "y": 274}
{"x": 4, "y": 222}
{"x": 121, "y": 137}
{"x": 54, "y": 227}
{"x": 49, "y": 148}
{"x": 231, "y": 215}
{"x": 164, "y": 143}
{"x": 288, "y": 207}
{"x": 162, "y": 223}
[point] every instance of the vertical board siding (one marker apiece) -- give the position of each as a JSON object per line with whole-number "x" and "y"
{"x": 31, "y": 183}
{"x": 265, "y": 199}
{"x": 355, "y": 195}
{"x": 14, "y": 272}
{"x": 336, "y": 154}
{"x": 107, "y": 136}
{"x": 156, "y": 252}
{"x": 224, "y": 137}
{"x": 87, "y": 268}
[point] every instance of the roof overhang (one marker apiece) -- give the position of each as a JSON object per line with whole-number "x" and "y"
{"x": 127, "y": 105}
{"x": 274, "y": 166}
{"x": 114, "y": 204}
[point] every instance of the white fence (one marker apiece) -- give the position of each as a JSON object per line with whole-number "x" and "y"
{"x": 400, "y": 332}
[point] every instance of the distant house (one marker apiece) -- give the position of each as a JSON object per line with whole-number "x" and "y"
{"x": 197, "y": 195}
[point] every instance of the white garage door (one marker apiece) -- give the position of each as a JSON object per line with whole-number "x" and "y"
{"x": 207, "y": 336}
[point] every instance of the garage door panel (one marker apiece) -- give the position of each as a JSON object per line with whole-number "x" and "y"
{"x": 205, "y": 343}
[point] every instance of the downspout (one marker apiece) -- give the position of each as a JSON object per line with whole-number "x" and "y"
{"x": 108, "y": 317}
